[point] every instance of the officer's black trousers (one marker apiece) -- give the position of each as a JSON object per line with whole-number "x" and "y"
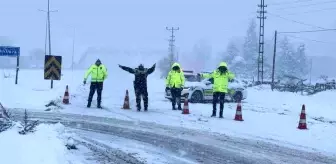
{"x": 96, "y": 86}
{"x": 221, "y": 96}
{"x": 141, "y": 92}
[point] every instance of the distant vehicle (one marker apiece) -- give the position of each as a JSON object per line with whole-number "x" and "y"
{"x": 201, "y": 91}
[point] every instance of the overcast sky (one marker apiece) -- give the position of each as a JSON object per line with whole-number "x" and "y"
{"x": 133, "y": 24}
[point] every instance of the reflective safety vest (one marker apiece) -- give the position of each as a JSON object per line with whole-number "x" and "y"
{"x": 98, "y": 73}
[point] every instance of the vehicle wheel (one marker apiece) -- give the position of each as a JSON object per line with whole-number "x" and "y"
{"x": 197, "y": 97}
{"x": 238, "y": 96}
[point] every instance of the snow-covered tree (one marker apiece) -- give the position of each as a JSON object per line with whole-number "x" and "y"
{"x": 201, "y": 53}
{"x": 268, "y": 58}
{"x": 5, "y": 120}
{"x": 232, "y": 57}
{"x": 165, "y": 64}
{"x": 291, "y": 62}
{"x": 302, "y": 61}
{"x": 231, "y": 53}
{"x": 250, "y": 49}
{"x": 286, "y": 60}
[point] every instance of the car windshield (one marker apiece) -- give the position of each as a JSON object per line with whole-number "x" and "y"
{"x": 191, "y": 78}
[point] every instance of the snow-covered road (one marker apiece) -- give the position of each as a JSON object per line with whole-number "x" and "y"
{"x": 176, "y": 144}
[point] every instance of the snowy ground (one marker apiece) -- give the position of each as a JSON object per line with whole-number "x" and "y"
{"x": 270, "y": 116}
{"x": 46, "y": 145}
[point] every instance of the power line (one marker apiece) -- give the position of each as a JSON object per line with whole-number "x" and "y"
{"x": 313, "y": 11}
{"x": 313, "y": 4}
{"x": 289, "y": 2}
{"x": 307, "y": 39}
{"x": 298, "y": 22}
{"x": 308, "y": 31}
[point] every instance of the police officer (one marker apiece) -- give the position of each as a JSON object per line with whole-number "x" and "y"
{"x": 140, "y": 83}
{"x": 175, "y": 82}
{"x": 221, "y": 78}
{"x": 98, "y": 74}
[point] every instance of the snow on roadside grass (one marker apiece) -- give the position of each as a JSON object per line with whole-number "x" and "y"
{"x": 43, "y": 146}
{"x": 271, "y": 116}
{"x": 32, "y": 91}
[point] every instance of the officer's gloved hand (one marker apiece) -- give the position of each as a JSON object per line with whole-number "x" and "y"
{"x": 167, "y": 88}
{"x": 181, "y": 88}
{"x": 84, "y": 82}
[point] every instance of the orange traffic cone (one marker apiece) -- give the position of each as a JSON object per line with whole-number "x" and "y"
{"x": 302, "y": 122}
{"x": 239, "y": 114}
{"x": 185, "y": 106}
{"x": 66, "y": 96}
{"x": 126, "y": 102}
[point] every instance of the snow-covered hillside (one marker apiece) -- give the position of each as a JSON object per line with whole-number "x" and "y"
{"x": 270, "y": 116}
{"x": 113, "y": 57}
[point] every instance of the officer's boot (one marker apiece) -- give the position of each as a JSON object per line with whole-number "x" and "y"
{"x": 179, "y": 103}
{"x": 221, "y": 108}
{"x": 99, "y": 105}
{"x": 214, "y": 111}
{"x": 173, "y": 103}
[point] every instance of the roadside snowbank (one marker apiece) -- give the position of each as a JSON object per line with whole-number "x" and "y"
{"x": 45, "y": 146}
{"x": 270, "y": 116}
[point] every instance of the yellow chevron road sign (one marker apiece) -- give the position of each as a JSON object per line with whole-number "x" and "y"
{"x": 52, "y": 67}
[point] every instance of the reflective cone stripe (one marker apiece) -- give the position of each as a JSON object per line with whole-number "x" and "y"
{"x": 303, "y": 121}
{"x": 239, "y": 114}
{"x": 126, "y": 101}
{"x": 66, "y": 96}
{"x": 186, "y": 107}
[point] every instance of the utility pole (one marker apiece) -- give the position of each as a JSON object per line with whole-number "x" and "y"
{"x": 73, "y": 52}
{"x": 46, "y": 38}
{"x": 261, "y": 40}
{"x": 274, "y": 54}
{"x": 73, "y": 49}
{"x": 49, "y": 35}
{"x": 172, "y": 43}
{"x": 310, "y": 71}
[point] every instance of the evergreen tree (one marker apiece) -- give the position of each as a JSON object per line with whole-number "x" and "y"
{"x": 302, "y": 61}
{"x": 250, "y": 49}
{"x": 286, "y": 62}
{"x": 268, "y": 59}
{"x": 231, "y": 53}
{"x": 166, "y": 63}
{"x": 232, "y": 57}
{"x": 201, "y": 54}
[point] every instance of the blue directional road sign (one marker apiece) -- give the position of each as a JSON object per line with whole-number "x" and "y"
{"x": 9, "y": 51}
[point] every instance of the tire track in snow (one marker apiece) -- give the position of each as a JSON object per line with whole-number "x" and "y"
{"x": 196, "y": 145}
{"x": 104, "y": 153}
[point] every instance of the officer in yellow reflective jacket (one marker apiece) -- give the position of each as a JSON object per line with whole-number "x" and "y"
{"x": 175, "y": 82}
{"x": 221, "y": 78}
{"x": 98, "y": 74}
